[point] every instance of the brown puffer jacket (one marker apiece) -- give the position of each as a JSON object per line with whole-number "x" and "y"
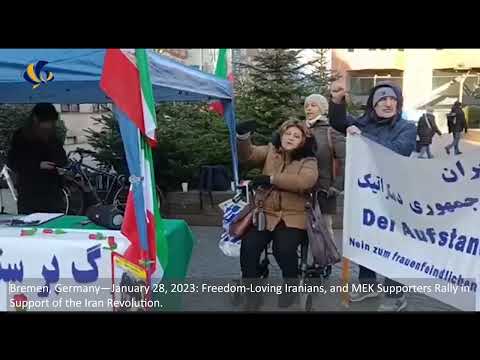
{"x": 293, "y": 178}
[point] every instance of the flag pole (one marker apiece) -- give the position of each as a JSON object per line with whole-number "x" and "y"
{"x": 345, "y": 281}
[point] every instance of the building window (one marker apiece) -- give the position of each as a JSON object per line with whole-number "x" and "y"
{"x": 99, "y": 108}
{"x": 472, "y": 113}
{"x": 70, "y": 107}
{"x": 71, "y": 140}
{"x": 361, "y": 85}
{"x": 442, "y": 77}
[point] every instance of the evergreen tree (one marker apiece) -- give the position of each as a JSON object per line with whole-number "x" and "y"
{"x": 107, "y": 143}
{"x": 318, "y": 77}
{"x": 272, "y": 92}
{"x": 189, "y": 136}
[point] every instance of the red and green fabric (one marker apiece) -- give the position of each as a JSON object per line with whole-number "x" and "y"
{"x": 221, "y": 71}
{"x": 126, "y": 80}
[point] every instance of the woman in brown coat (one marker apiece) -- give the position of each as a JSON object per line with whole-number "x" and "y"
{"x": 330, "y": 153}
{"x": 289, "y": 173}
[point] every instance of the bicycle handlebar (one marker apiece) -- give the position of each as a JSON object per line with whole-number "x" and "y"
{"x": 84, "y": 151}
{"x": 81, "y": 152}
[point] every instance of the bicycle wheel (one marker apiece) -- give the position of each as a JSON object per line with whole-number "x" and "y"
{"x": 162, "y": 198}
{"x": 120, "y": 198}
{"x": 65, "y": 201}
{"x": 75, "y": 198}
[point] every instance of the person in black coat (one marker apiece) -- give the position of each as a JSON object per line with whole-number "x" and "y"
{"x": 456, "y": 124}
{"x": 426, "y": 129}
{"x": 35, "y": 154}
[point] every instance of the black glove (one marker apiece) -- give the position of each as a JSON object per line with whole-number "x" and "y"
{"x": 245, "y": 127}
{"x": 261, "y": 180}
{"x": 276, "y": 140}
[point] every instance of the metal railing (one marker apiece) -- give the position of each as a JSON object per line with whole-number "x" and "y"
{"x": 470, "y": 84}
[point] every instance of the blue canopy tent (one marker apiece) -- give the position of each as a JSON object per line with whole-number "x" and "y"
{"x": 77, "y": 74}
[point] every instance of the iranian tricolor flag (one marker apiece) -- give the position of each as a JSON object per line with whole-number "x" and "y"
{"x": 222, "y": 71}
{"x": 126, "y": 80}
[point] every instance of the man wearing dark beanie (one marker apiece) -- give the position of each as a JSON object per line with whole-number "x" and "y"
{"x": 35, "y": 154}
{"x": 456, "y": 125}
{"x": 382, "y": 122}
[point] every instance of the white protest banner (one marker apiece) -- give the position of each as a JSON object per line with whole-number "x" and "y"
{"x": 415, "y": 220}
{"x": 57, "y": 270}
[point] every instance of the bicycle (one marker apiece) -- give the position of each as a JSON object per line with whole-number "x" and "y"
{"x": 7, "y": 175}
{"x": 77, "y": 184}
{"x": 78, "y": 177}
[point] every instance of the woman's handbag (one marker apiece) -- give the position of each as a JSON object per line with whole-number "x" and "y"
{"x": 322, "y": 246}
{"x": 250, "y": 216}
{"x": 238, "y": 219}
{"x": 230, "y": 244}
{"x": 243, "y": 222}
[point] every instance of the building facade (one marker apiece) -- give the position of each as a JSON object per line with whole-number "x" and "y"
{"x": 77, "y": 118}
{"x": 428, "y": 77}
{"x": 201, "y": 59}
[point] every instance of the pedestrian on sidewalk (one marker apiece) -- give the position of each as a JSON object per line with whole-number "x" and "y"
{"x": 456, "y": 125}
{"x": 382, "y": 122}
{"x": 426, "y": 130}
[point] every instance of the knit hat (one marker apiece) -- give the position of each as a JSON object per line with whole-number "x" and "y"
{"x": 383, "y": 92}
{"x": 320, "y": 101}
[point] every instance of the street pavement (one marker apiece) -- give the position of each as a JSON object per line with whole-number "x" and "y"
{"x": 439, "y": 142}
{"x": 210, "y": 265}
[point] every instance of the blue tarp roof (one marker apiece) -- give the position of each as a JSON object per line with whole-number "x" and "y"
{"x": 77, "y": 74}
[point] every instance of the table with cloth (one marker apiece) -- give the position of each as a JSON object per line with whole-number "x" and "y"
{"x": 179, "y": 237}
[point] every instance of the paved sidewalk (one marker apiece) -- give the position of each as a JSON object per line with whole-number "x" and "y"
{"x": 210, "y": 265}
